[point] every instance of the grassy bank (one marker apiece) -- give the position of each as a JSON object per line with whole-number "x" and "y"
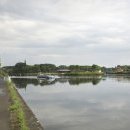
{"x": 2, "y": 73}
{"x": 17, "y": 115}
{"x": 83, "y": 73}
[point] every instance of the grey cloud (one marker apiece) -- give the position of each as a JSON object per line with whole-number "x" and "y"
{"x": 28, "y": 9}
{"x": 65, "y": 31}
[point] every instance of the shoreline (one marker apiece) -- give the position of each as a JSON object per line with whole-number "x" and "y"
{"x": 31, "y": 120}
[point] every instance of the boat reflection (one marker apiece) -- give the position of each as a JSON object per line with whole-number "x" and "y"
{"x": 48, "y": 81}
{"x": 23, "y": 82}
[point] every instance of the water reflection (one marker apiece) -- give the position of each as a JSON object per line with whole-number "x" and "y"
{"x": 78, "y": 81}
{"x": 59, "y": 106}
{"x": 23, "y": 82}
{"x": 120, "y": 78}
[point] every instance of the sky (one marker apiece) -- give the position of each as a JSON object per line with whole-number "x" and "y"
{"x": 82, "y": 32}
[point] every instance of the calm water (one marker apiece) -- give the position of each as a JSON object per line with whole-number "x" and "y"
{"x": 85, "y": 103}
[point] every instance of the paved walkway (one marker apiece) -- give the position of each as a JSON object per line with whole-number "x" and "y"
{"x": 4, "y": 113}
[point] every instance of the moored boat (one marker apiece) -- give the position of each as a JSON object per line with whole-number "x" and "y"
{"x": 46, "y": 77}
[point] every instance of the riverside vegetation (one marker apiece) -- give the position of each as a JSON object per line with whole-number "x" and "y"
{"x": 23, "y": 69}
{"x": 17, "y": 115}
{"x": 21, "y": 116}
{"x": 3, "y": 73}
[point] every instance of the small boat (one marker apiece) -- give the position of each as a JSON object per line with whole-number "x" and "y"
{"x": 46, "y": 77}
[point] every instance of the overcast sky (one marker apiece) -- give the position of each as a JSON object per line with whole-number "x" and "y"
{"x": 83, "y": 32}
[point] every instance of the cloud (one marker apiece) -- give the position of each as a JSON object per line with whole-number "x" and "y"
{"x": 71, "y": 28}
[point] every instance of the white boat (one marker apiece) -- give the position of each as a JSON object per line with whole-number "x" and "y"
{"x": 46, "y": 77}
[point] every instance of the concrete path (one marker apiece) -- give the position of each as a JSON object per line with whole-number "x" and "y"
{"x": 4, "y": 103}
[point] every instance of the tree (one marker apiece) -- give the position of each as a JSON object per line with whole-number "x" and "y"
{"x": 20, "y": 68}
{"x": 95, "y": 67}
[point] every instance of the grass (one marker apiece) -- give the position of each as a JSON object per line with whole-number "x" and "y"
{"x": 16, "y": 108}
{"x": 82, "y": 73}
{"x": 2, "y": 73}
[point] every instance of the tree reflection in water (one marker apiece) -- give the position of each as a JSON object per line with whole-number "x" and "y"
{"x": 77, "y": 81}
{"x": 23, "y": 82}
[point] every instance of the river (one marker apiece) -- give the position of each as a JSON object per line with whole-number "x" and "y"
{"x": 79, "y": 103}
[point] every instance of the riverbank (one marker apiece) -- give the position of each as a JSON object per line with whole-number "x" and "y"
{"x": 21, "y": 116}
{"x": 84, "y": 74}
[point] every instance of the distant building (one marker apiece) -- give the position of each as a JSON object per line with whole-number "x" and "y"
{"x": 119, "y": 69}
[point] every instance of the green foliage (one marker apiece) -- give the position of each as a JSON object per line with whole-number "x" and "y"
{"x": 96, "y": 67}
{"x": 47, "y": 68}
{"x": 77, "y": 68}
{"x": 2, "y": 73}
{"x": 83, "y": 73}
{"x": 24, "y": 69}
{"x": 16, "y": 106}
{"x": 62, "y": 67}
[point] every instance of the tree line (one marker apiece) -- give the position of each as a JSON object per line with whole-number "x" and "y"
{"x": 24, "y": 69}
